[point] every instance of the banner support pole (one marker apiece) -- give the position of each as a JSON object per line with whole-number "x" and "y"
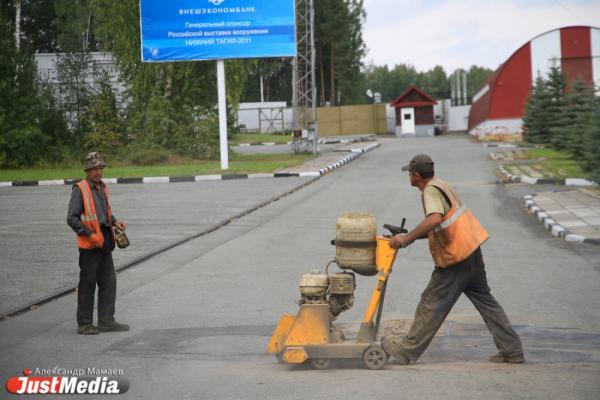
{"x": 222, "y": 114}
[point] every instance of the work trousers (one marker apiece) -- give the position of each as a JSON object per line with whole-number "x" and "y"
{"x": 442, "y": 292}
{"x": 96, "y": 268}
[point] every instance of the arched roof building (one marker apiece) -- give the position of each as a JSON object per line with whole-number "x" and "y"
{"x": 499, "y": 104}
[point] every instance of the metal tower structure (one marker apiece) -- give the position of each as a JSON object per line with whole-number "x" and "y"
{"x": 304, "y": 96}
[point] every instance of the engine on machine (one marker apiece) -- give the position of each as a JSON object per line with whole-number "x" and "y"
{"x": 336, "y": 290}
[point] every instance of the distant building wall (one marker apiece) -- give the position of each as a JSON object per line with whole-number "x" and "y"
{"x": 456, "y": 118}
{"x": 100, "y": 63}
{"x": 352, "y": 120}
{"x": 267, "y": 117}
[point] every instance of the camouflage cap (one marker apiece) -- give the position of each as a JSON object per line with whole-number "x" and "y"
{"x": 93, "y": 160}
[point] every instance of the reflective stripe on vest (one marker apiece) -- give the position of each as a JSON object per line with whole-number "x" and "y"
{"x": 458, "y": 235}
{"x": 452, "y": 219}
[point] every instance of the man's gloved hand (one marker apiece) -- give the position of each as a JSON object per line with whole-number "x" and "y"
{"x": 400, "y": 241}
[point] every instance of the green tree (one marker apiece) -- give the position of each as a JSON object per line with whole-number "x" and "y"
{"x": 106, "y": 131}
{"x": 52, "y": 123}
{"x": 276, "y": 76}
{"x": 377, "y": 79}
{"x": 577, "y": 117}
{"x": 39, "y": 25}
{"x": 401, "y": 77}
{"x": 435, "y": 82}
{"x": 171, "y": 104}
{"x": 556, "y": 89}
{"x": 20, "y": 136}
{"x": 536, "y": 119}
{"x": 340, "y": 48}
{"x": 74, "y": 64}
{"x": 476, "y": 76}
{"x": 392, "y": 82}
{"x": 592, "y": 140}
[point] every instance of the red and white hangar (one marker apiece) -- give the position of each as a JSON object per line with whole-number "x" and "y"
{"x": 499, "y": 104}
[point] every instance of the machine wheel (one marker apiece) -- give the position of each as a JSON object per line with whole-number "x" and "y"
{"x": 374, "y": 357}
{"x": 319, "y": 363}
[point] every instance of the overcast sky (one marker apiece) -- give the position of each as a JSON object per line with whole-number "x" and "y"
{"x": 459, "y": 33}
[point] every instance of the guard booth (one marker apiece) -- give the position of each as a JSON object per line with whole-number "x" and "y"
{"x": 414, "y": 113}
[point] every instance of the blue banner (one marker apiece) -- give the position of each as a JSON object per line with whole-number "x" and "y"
{"x": 185, "y": 30}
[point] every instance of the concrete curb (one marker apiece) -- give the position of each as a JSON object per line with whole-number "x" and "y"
{"x": 263, "y": 144}
{"x": 555, "y": 228}
{"x": 353, "y": 153}
{"x": 543, "y": 181}
{"x": 320, "y": 141}
{"x": 503, "y": 145}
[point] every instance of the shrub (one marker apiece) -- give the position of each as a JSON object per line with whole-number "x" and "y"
{"x": 146, "y": 156}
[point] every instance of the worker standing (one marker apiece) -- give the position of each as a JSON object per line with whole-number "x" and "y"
{"x": 455, "y": 237}
{"x": 90, "y": 216}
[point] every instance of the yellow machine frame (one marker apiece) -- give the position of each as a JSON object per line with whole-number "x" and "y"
{"x": 310, "y": 335}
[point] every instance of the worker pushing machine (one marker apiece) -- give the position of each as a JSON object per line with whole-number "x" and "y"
{"x": 455, "y": 237}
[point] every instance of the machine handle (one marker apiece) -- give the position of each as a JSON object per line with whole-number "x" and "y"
{"x": 395, "y": 230}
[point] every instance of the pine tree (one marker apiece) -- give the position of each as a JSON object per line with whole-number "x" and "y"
{"x": 578, "y": 115}
{"x": 556, "y": 120}
{"x": 592, "y": 141}
{"x": 536, "y": 119}
{"x": 340, "y": 48}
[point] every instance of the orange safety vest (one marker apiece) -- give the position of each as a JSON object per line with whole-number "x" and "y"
{"x": 458, "y": 235}
{"x": 90, "y": 219}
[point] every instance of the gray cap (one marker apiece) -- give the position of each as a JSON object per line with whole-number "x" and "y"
{"x": 420, "y": 163}
{"x": 93, "y": 160}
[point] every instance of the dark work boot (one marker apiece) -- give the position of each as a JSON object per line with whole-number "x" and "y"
{"x": 501, "y": 358}
{"x": 87, "y": 329}
{"x": 112, "y": 326}
{"x": 394, "y": 350}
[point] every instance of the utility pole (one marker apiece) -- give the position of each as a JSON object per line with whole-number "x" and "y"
{"x": 304, "y": 98}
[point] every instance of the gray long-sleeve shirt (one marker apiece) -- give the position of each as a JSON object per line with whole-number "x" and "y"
{"x": 76, "y": 209}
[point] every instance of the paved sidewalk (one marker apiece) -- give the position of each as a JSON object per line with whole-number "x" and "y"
{"x": 331, "y": 159}
{"x": 573, "y": 215}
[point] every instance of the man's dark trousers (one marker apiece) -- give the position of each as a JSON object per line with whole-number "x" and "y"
{"x": 96, "y": 267}
{"x": 444, "y": 289}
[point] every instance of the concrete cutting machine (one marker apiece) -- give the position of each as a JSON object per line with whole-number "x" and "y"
{"x": 310, "y": 336}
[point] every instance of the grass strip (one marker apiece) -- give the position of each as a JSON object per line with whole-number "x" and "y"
{"x": 260, "y": 138}
{"x": 556, "y": 164}
{"x": 238, "y": 164}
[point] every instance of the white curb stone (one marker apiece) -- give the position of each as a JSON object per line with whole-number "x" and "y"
{"x": 200, "y": 178}
{"x": 259, "y": 176}
{"x": 155, "y": 179}
{"x": 51, "y": 182}
{"x": 574, "y": 238}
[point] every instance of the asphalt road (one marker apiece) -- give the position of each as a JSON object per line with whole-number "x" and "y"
{"x": 201, "y": 314}
{"x": 38, "y": 251}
